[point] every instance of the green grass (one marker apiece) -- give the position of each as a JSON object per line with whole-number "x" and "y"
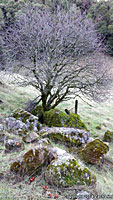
{"x": 13, "y": 98}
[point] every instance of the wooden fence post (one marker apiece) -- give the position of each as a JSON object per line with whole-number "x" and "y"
{"x": 76, "y": 106}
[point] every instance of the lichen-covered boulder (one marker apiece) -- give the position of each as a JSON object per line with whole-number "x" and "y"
{"x": 22, "y": 115}
{"x": 108, "y": 136}
{"x": 68, "y": 136}
{"x": 12, "y": 145}
{"x": 54, "y": 117}
{"x": 57, "y": 118}
{"x": 21, "y": 121}
{"x": 33, "y": 161}
{"x": 31, "y": 137}
{"x": 66, "y": 171}
{"x": 93, "y": 151}
{"x": 16, "y": 126}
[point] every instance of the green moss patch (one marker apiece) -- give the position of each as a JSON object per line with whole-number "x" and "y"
{"x": 75, "y": 121}
{"x": 68, "y": 173}
{"x": 57, "y": 118}
{"x": 94, "y": 150}
{"x": 108, "y": 136}
{"x": 66, "y": 135}
{"x": 20, "y": 113}
{"x": 32, "y": 162}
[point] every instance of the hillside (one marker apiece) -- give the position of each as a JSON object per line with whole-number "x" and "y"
{"x": 97, "y": 117}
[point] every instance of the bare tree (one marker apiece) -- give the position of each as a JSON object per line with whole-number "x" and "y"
{"x": 57, "y": 54}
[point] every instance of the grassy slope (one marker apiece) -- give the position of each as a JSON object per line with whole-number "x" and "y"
{"x": 97, "y": 115}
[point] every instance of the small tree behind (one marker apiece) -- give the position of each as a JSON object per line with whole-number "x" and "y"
{"x": 57, "y": 53}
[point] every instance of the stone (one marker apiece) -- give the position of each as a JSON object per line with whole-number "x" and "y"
{"x": 16, "y": 126}
{"x": 108, "y": 136}
{"x": 57, "y": 118}
{"x": 20, "y": 122}
{"x": 98, "y": 127}
{"x": 33, "y": 161}
{"x": 12, "y": 145}
{"x": 23, "y": 115}
{"x": 1, "y": 101}
{"x": 44, "y": 142}
{"x": 31, "y": 137}
{"x": 68, "y": 136}
{"x": 1, "y": 127}
{"x": 2, "y": 137}
{"x": 67, "y": 171}
{"x": 94, "y": 151}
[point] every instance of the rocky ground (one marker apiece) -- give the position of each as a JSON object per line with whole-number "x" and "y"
{"x": 42, "y": 161}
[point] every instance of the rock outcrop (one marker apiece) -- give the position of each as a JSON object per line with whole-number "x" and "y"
{"x": 20, "y": 122}
{"x": 33, "y": 161}
{"x": 68, "y": 136}
{"x": 31, "y": 137}
{"x": 66, "y": 171}
{"x": 94, "y": 151}
{"x": 55, "y": 117}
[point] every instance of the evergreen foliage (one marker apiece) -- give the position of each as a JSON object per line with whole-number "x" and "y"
{"x": 102, "y": 14}
{"x": 100, "y": 11}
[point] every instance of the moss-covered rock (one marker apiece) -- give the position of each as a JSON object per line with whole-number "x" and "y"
{"x": 57, "y": 118}
{"x": 54, "y": 117}
{"x": 108, "y": 136}
{"x": 16, "y": 126}
{"x": 66, "y": 171}
{"x": 38, "y": 111}
{"x": 33, "y": 161}
{"x": 20, "y": 114}
{"x": 75, "y": 122}
{"x": 65, "y": 135}
{"x": 98, "y": 127}
{"x": 93, "y": 151}
{"x": 21, "y": 121}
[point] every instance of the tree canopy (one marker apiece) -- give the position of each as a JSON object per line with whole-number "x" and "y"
{"x": 57, "y": 53}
